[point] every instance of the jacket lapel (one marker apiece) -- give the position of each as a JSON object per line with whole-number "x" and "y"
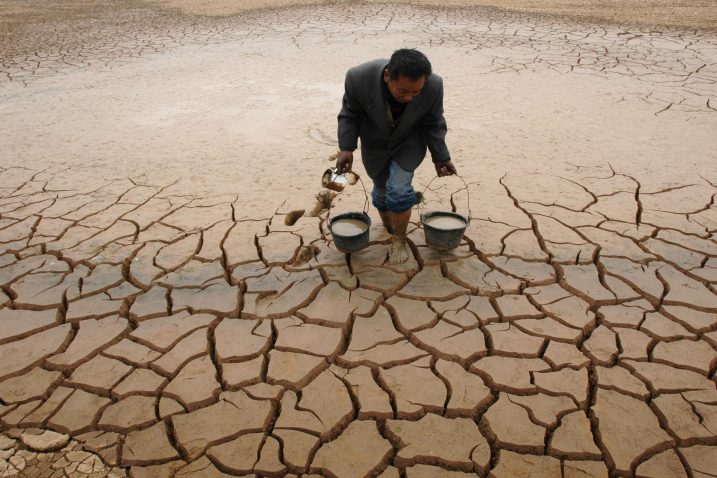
{"x": 377, "y": 105}
{"x": 410, "y": 114}
{"x": 377, "y": 108}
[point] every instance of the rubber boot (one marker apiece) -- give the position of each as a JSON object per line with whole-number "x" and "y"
{"x": 399, "y": 252}
{"x": 386, "y": 219}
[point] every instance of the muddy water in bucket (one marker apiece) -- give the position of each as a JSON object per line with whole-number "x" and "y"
{"x": 350, "y": 230}
{"x": 444, "y": 230}
{"x": 348, "y": 227}
{"x": 446, "y": 222}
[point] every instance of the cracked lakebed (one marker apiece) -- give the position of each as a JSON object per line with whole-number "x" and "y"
{"x": 172, "y": 304}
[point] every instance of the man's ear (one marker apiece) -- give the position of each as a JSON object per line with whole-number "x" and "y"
{"x": 386, "y": 75}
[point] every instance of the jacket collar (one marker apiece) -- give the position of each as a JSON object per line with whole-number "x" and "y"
{"x": 377, "y": 107}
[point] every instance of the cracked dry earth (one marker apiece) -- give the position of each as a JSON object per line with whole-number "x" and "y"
{"x": 158, "y": 322}
{"x": 180, "y": 341}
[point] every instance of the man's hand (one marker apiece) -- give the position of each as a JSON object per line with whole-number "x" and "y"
{"x": 344, "y": 162}
{"x": 446, "y": 168}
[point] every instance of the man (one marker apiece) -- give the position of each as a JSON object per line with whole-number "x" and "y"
{"x": 396, "y": 108}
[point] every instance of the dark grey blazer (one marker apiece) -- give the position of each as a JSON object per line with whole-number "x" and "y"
{"x": 364, "y": 115}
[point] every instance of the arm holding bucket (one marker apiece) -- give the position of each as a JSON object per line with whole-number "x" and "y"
{"x": 344, "y": 162}
{"x": 434, "y": 133}
{"x": 349, "y": 126}
{"x": 445, "y": 168}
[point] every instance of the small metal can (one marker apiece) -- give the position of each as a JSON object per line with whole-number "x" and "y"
{"x": 334, "y": 181}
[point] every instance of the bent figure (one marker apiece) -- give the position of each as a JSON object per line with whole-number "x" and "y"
{"x": 396, "y": 107}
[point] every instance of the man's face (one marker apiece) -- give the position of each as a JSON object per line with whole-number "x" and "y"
{"x": 404, "y": 89}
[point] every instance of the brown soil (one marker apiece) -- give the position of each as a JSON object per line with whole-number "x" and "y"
{"x": 690, "y": 15}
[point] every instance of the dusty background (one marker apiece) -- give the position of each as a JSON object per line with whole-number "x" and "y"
{"x": 260, "y": 90}
{"x": 693, "y": 14}
{"x": 697, "y": 14}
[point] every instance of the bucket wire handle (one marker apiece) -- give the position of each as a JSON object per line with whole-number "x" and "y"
{"x": 365, "y": 193}
{"x": 468, "y": 196}
{"x": 365, "y": 204}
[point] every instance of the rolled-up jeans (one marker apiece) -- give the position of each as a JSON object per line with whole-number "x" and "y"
{"x": 392, "y": 189}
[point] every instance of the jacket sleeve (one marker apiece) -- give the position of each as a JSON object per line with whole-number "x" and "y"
{"x": 435, "y": 129}
{"x": 349, "y": 117}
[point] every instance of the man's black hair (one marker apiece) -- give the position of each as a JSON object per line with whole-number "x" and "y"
{"x": 410, "y": 63}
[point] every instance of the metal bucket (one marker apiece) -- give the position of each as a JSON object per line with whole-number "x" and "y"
{"x": 350, "y": 243}
{"x": 445, "y": 238}
{"x": 441, "y": 238}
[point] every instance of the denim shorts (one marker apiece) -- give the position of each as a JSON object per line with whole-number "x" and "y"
{"x": 392, "y": 189}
